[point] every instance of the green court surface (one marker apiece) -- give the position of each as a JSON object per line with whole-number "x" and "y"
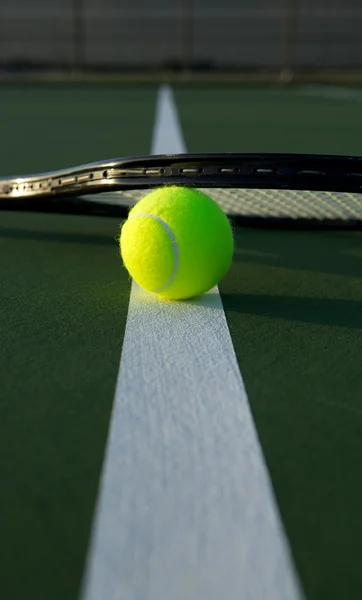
{"x": 293, "y": 304}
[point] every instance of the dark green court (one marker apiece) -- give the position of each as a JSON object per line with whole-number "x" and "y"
{"x": 293, "y": 303}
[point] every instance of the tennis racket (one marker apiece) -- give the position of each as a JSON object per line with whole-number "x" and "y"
{"x": 292, "y": 190}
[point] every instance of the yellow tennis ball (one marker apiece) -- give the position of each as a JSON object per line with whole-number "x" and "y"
{"x": 177, "y": 242}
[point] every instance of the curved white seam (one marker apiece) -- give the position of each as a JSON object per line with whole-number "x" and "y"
{"x": 174, "y": 246}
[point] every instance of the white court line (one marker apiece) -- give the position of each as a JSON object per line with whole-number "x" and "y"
{"x": 331, "y": 92}
{"x": 186, "y": 510}
{"x": 167, "y": 135}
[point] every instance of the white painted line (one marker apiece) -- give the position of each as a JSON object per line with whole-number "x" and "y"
{"x": 331, "y": 92}
{"x": 186, "y": 510}
{"x": 167, "y": 133}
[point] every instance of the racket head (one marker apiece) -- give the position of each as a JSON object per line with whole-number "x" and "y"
{"x": 291, "y": 190}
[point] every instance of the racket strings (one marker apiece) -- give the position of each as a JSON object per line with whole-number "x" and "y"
{"x": 267, "y": 203}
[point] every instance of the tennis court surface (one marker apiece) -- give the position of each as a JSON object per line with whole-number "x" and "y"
{"x": 205, "y": 449}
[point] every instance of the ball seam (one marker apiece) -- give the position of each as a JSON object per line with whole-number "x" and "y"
{"x": 174, "y": 246}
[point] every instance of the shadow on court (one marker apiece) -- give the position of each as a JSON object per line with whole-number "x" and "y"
{"x": 340, "y": 313}
{"x": 333, "y": 252}
{"x": 59, "y": 236}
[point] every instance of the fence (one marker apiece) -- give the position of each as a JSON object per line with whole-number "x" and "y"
{"x": 238, "y": 34}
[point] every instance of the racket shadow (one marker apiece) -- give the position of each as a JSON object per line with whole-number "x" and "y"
{"x": 337, "y": 253}
{"x": 58, "y": 236}
{"x": 321, "y": 311}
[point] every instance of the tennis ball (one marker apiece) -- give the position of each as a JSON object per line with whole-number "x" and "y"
{"x": 177, "y": 242}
